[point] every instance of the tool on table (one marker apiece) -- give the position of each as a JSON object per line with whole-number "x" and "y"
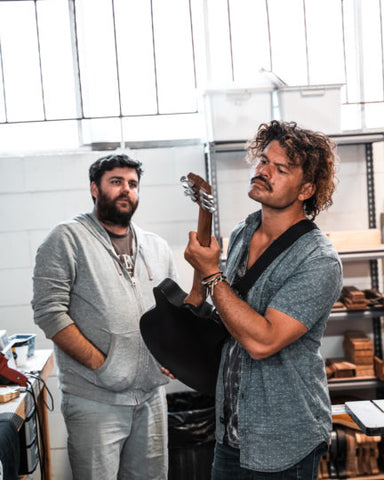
{"x": 14, "y": 376}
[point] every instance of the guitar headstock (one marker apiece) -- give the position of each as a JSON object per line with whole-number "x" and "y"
{"x": 199, "y": 191}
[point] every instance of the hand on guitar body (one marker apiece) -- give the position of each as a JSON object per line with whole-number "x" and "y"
{"x": 168, "y": 373}
{"x": 205, "y": 261}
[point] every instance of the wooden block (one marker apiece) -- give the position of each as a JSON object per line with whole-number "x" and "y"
{"x": 352, "y": 240}
{"x": 363, "y": 350}
{"x": 341, "y": 368}
{"x": 339, "y": 306}
{"x": 8, "y": 394}
{"x": 363, "y": 362}
{"x": 365, "y": 370}
{"x": 359, "y": 357}
{"x": 353, "y": 293}
{"x": 352, "y": 305}
{"x": 358, "y": 349}
{"x": 353, "y": 298}
{"x": 360, "y": 344}
{"x": 357, "y": 341}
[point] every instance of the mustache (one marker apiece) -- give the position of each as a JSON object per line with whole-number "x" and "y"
{"x": 260, "y": 177}
{"x": 126, "y": 197}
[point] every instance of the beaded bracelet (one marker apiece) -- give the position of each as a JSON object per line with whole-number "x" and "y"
{"x": 211, "y": 284}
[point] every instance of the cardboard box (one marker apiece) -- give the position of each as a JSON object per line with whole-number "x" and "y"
{"x": 355, "y": 240}
{"x": 236, "y": 113}
{"x": 316, "y": 107}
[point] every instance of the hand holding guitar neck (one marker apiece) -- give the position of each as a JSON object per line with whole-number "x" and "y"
{"x": 200, "y": 192}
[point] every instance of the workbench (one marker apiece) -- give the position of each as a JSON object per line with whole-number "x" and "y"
{"x": 17, "y": 410}
{"x": 367, "y": 414}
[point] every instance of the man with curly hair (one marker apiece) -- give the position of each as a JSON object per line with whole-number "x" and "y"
{"x": 273, "y": 412}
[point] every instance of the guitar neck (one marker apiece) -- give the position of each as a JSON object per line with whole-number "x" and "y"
{"x": 204, "y": 225}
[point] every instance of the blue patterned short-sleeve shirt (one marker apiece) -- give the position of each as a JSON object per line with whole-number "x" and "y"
{"x": 284, "y": 409}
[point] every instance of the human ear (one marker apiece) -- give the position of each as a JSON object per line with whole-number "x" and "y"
{"x": 306, "y": 191}
{"x": 94, "y": 190}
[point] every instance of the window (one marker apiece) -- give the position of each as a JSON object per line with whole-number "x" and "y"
{"x": 75, "y": 72}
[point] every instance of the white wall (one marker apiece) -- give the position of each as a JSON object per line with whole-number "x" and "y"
{"x": 38, "y": 191}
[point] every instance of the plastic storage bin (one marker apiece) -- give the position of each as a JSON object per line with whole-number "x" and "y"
{"x": 317, "y": 107}
{"x": 236, "y": 113}
{"x": 191, "y": 435}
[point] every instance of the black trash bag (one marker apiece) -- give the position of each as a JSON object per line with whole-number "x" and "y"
{"x": 191, "y": 435}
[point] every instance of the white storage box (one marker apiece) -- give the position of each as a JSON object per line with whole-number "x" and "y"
{"x": 236, "y": 113}
{"x": 317, "y": 107}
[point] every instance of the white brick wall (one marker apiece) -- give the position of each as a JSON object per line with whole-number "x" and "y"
{"x": 38, "y": 191}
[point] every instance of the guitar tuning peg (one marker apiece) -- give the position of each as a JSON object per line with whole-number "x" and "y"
{"x": 188, "y": 188}
{"x": 207, "y": 201}
{"x": 188, "y": 192}
{"x": 186, "y": 182}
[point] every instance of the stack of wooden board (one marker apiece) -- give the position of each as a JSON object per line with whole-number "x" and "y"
{"x": 339, "y": 368}
{"x": 353, "y": 298}
{"x": 358, "y": 349}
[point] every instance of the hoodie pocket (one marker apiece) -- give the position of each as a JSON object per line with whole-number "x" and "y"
{"x": 119, "y": 370}
{"x": 152, "y": 376}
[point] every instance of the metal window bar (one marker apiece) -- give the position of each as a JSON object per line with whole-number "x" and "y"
{"x": 39, "y": 56}
{"x": 230, "y": 39}
{"x": 154, "y": 58}
{"x": 2, "y": 81}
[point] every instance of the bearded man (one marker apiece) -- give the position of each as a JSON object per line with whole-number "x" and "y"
{"x": 93, "y": 280}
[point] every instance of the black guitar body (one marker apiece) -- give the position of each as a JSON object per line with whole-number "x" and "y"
{"x": 184, "y": 339}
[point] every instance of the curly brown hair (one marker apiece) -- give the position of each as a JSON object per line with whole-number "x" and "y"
{"x": 313, "y": 151}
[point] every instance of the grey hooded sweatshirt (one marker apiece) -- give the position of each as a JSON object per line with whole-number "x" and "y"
{"x": 79, "y": 279}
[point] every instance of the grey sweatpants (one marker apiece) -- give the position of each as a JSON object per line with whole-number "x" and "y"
{"x": 117, "y": 442}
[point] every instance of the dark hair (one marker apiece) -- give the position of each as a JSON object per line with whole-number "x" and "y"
{"x": 313, "y": 151}
{"x": 104, "y": 164}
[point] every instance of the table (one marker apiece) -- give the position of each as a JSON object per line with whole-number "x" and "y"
{"x": 367, "y": 414}
{"x": 41, "y": 364}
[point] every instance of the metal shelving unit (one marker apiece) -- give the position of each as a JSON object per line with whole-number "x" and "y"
{"x": 213, "y": 150}
{"x": 363, "y": 314}
{"x": 353, "y": 383}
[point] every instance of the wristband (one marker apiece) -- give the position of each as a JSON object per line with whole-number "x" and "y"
{"x": 212, "y": 275}
{"x": 211, "y": 284}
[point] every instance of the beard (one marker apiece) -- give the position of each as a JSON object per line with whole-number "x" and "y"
{"x": 109, "y": 212}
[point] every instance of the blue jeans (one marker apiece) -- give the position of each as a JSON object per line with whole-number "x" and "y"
{"x": 226, "y": 466}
